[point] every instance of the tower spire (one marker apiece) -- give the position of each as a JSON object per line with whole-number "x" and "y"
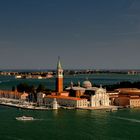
{"x": 59, "y": 63}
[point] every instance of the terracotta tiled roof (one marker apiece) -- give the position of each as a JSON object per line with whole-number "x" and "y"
{"x": 128, "y": 90}
{"x": 134, "y": 97}
{"x": 10, "y": 92}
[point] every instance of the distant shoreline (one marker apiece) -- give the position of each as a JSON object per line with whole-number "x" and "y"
{"x": 52, "y": 73}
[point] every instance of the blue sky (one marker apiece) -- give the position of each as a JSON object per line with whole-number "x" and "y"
{"x": 99, "y": 34}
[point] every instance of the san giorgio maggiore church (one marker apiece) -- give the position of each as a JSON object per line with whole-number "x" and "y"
{"x": 81, "y": 95}
{"x": 97, "y": 96}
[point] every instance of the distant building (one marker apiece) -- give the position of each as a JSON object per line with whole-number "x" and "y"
{"x": 128, "y": 97}
{"x": 40, "y": 98}
{"x": 10, "y": 94}
{"x": 24, "y": 96}
{"x": 134, "y": 101}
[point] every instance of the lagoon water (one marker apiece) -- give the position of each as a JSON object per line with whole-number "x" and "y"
{"x": 6, "y": 82}
{"x": 70, "y": 124}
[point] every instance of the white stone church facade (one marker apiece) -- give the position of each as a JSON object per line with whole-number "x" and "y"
{"x": 100, "y": 98}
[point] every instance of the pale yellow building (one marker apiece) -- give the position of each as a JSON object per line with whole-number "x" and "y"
{"x": 134, "y": 102}
{"x": 128, "y": 97}
{"x": 24, "y": 96}
{"x": 67, "y": 101}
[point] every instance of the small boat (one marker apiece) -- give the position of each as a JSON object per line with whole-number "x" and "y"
{"x": 24, "y": 118}
{"x": 112, "y": 110}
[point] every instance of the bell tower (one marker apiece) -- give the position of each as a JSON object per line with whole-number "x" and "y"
{"x": 59, "y": 77}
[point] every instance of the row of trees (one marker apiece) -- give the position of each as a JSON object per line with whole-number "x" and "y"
{"x": 31, "y": 90}
{"x": 125, "y": 84}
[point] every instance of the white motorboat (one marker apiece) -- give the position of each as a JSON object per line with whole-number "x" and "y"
{"x": 112, "y": 110}
{"x": 24, "y": 118}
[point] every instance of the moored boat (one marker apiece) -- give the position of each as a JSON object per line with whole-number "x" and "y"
{"x": 112, "y": 110}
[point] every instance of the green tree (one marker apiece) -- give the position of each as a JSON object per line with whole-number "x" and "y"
{"x": 23, "y": 87}
{"x": 13, "y": 88}
{"x": 40, "y": 88}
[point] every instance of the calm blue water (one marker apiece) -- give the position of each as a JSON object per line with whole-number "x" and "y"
{"x": 104, "y": 79}
{"x": 70, "y": 125}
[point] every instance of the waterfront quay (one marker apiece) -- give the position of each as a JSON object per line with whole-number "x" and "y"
{"x": 111, "y": 108}
{"x": 20, "y": 104}
{"x": 32, "y": 106}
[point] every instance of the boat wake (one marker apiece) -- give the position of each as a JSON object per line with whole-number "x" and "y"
{"x": 128, "y": 119}
{"x": 13, "y": 138}
{"x": 4, "y": 81}
{"x": 39, "y": 119}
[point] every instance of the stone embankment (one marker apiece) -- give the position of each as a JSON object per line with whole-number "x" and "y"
{"x": 19, "y": 104}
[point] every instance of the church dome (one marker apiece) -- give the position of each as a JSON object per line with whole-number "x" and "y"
{"x": 87, "y": 84}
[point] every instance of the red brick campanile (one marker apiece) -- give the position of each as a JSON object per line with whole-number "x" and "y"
{"x": 59, "y": 77}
